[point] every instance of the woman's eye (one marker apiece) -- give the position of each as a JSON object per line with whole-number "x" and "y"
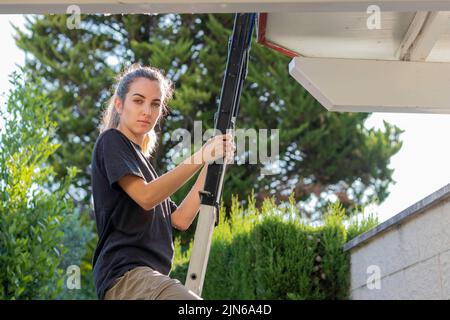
{"x": 138, "y": 101}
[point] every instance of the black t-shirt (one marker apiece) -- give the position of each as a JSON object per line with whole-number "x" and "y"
{"x": 129, "y": 236}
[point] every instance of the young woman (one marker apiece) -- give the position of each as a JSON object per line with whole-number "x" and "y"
{"x": 133, "y": 210}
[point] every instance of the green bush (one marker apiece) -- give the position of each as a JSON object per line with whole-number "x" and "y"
{"x": 270, "y": 253}
{"x": 33, "y": 204}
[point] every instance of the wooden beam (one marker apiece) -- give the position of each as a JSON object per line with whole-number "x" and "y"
{"x": 432, "y": 29}
{"x": 413, "y": 30}
{"x": 217, "y": 6}
{"x": 350, "y": 85}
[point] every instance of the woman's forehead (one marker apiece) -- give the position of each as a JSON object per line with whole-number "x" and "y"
{"x": 150, "y": 89}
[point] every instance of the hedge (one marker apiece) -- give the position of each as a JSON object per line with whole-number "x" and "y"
{"x": 272, "y": 253}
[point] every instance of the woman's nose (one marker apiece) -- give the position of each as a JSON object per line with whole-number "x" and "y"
{"x": 148, "y": 109}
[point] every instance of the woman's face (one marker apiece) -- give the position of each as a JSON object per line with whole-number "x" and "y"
{"x": 142, "y": 106}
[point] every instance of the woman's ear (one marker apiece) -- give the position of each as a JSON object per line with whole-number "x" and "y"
{"x": 118, "y": 105}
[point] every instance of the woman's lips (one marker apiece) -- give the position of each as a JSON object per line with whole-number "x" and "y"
{"x": 144, "y": 122}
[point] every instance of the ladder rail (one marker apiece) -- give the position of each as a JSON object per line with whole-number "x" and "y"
{"x": 236, "y": 71}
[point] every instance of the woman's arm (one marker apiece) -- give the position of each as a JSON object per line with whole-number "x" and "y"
{"x": 149, "y": 194}
{"x": 183, "y": 216}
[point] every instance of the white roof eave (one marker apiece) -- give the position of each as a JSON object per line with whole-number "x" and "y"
{"x": 216, "y": 6}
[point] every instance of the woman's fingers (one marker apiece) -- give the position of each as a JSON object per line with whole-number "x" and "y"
{"x": 220, "y": 146}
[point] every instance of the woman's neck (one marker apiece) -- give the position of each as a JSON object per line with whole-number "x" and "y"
{"x": 130, "y": 135}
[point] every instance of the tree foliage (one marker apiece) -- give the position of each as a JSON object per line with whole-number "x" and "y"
{"x": 324, "y": 156}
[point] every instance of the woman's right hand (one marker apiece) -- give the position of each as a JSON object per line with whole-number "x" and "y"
{"x": 220, "y": 146}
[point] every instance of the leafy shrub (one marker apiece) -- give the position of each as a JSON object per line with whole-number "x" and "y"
{"x": 270, "y": 253}
{"x": 33, "y": 204}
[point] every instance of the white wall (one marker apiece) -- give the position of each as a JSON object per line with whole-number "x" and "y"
{"x": 412, "y": 257}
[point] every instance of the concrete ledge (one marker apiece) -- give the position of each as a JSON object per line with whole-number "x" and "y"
{"x": 417, "y": 208}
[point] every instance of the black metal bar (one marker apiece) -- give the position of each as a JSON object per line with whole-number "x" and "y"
{"x": 236, "y": 71}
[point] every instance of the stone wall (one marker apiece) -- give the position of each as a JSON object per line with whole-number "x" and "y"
{"x": 407, "y": 256}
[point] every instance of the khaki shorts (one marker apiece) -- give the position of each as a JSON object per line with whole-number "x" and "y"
{"x": 144, "y": 283}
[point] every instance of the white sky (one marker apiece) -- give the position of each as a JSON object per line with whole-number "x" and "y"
{"x": 421, "y": 167}
{"x": 10, "y": 55}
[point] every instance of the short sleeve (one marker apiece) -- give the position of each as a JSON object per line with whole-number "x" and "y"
{"x": 172, "y": 205}
{"x": 118, "y": 159}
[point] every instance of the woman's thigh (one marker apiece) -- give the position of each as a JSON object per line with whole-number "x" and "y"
{"x": 144, "y": 283}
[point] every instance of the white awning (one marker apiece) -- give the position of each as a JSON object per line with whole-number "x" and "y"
{"x": 350, "y": 61}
